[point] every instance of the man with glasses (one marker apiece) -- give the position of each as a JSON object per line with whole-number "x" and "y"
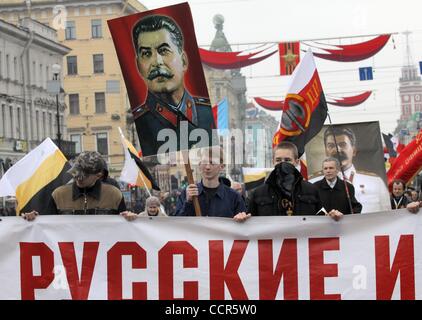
{"x": 87, "y": 195}
{"x": 284, "y": 192}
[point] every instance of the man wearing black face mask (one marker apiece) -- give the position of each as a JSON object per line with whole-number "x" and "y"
{"x": 285, "y": 192}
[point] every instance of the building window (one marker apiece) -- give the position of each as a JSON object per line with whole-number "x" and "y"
{"x": 50, "y": 125}
{"x": 15, "y": 67}
{"x": 19, "y": 126}
{"x": 102, "y": 143}
{"x": 77, "y": 139}
{"x": 3, "y": 120}
{"x": 47, "y": 73}
{"x": 41, "y": 84}
{"x": 100, "y": 102}
{"x": 96, "y": 28}
{"x": 74, "y": 103}
{"x": 7, "y": 66}
{"x": 43, "y": 126}
{"x": 218, "y": 93}
{"x": 98, "y": 62}
{"x": 72, "y": 65}
{"x": 37, "y": 125}
{"x": 33, "y": 74}
{"x": 70, "y": 30}
{"x": 12, "y": 125}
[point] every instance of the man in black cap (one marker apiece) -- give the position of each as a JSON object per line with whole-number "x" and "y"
{"x": 87, "y": 195}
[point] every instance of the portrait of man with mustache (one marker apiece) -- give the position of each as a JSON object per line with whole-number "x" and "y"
{"x": 370, "y": 189}
{"x": 162, "y": 62}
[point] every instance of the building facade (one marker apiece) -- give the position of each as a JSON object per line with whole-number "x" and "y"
{"x": 259, "y": 131}
{"x": 410, "y": 91}
{"x": 95, "y": 91}
{"x": 28, "y": 113}
{"x": 256, "y": 125}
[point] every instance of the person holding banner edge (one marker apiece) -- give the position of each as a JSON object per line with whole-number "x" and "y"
{"x": 216, "y": 199}
{"x": 332, "y": 189}
{"x": 87, "y": 195}
{"x": 370, "y": 190}
{"x": 285, "y": 192}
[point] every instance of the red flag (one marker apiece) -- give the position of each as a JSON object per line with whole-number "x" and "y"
{"x": 409, "y": 161}
{"x": 305, "y": 108}
{"x": 289, "y": 53}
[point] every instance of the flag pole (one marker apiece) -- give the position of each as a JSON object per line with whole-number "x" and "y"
{"x": 341, "y": 167}
{"x": 145, "y": 184}
{"x": 139, "y": 174}
{"x": 189, "y": 174}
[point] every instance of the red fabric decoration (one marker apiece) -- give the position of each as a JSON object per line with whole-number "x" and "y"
{"x": 230, "y": 60}
{"x": 270, "y": 104}
{"x": 352, "y": 101}
{"x": 354, "y": 52}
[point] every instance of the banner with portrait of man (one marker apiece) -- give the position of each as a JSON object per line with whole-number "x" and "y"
{"x": 361, "y": 156}
{"x": 158, "y": 55}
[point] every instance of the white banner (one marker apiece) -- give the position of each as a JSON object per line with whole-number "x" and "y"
{"x": 372, "y": 256}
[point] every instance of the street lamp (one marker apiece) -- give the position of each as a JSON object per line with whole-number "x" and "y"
{"x": 56, "y": 71}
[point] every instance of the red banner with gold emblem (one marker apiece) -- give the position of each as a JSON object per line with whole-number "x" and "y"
{"x": 289, "y": 53}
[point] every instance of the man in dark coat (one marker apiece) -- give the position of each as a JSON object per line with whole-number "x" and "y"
{"x": 398, "y": 197}
{"x": 163, "y": 62}
{"x": 332, "y": 190}
{"x": 285, "y": 192}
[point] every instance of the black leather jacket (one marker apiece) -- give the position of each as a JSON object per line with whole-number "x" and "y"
{"x": 264, "y": 200}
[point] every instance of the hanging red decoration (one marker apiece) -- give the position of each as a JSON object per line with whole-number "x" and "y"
{"x": 353, "y": 52}
{"x": 351, "y": 101}
{"x": 231, "y": 60}
{"x": 270, "y": 104}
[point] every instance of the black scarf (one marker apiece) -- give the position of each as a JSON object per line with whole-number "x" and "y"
{"x": 285, "y": 178}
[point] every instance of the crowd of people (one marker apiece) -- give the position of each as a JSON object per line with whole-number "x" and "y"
{"x": 285, "y": 192}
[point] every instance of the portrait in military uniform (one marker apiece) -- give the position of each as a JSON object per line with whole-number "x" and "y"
{"x": 361, "y": 156}
{"x": 168, "y": 89}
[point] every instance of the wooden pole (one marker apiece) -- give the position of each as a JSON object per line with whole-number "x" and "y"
{"x": 189, "y": 174}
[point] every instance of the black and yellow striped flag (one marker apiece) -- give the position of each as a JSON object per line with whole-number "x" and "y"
{"x": 134, "y": 170}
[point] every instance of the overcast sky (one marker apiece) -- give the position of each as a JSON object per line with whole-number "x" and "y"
{"x": 272, "y": 21}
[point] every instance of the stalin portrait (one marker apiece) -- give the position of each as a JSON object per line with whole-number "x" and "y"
{"x": 162, "y": 63}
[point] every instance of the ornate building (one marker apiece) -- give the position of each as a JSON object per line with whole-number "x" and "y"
{"x": 230, "y": 84}
{"x": 28, "y": 113}
{"x": 259, "y": 131}
{"x": 257, "y": 126}
{"x": 410, "y": 98}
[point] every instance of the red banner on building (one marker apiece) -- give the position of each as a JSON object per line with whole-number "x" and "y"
{"x": 409, "y": 161}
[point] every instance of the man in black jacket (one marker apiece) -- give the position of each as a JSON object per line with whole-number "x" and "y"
{"x": 398, "y": 198}
{"x": 332, "y": 190}
{"x": 285, "y": 192}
